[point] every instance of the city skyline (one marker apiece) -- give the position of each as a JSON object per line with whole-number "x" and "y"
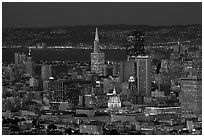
{"x": 104, "y": 79}
{"x": 45, "y": 14}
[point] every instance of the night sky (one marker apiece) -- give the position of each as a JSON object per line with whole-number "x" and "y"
{"x": 53, "y": 14}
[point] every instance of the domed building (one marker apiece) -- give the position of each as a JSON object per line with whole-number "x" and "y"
{"x": 131, "y": 79}
{"x": 114, "y": 100}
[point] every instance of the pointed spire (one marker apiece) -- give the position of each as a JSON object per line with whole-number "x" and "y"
{"x": 96, "y": 42}
{"x": 29, "y": 54}
{"x": 96, "y": 35}
{"x": 114, "y": 91}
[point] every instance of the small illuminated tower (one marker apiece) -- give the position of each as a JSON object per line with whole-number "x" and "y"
{"x": 132, "y": 84}
{"x": 97, "y": 57}
{"x": 133, "y": 90}
{"x": 29, "y": 58}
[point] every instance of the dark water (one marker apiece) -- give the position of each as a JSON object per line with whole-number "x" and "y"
{"x": 62, "y": 54}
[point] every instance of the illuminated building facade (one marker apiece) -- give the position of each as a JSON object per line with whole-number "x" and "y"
{"x": 164, "y": 65}
{"x": 46, "y": 72}
{"x": 144, "y": 75}
{"x": 97, "y": 58}
{"x": 19, "y": 58}
{"x": 62, "y": 91}
{"x": 29, "y": 65}
{"x": 190, "y": 96}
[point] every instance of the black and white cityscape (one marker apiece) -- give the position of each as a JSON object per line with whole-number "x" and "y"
{"x": 102, "y": 68}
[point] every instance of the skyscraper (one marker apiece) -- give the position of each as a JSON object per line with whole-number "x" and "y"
{"x": 144, "y": 75}
{"x": 127, "y": 69}
{"x": 63, "y": 91}
{"x": 16, "y": 59}
{"x": 20, "y": 59}
{"x": 46, "y": 72}
{"x": 133, "y": 90}
{"x": 97, "y": 57}
{"x": 190, "y": 96}
{"x": 29, "y": 65}
{"x": 135, "y": 44}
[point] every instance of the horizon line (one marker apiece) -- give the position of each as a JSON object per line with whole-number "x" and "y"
{"x": 38, "y": 27}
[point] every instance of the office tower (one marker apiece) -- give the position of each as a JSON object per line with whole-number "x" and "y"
{"x": 97, "y": 58}
{"x": 22, "y": 58}
{"x": 133, "y": 90}
{"x": 135, "y": 45}
{"x": 29, "y": 68}
{"x": 16, "y": 59}
{"x": 177, "y": 47}
{"x": 144, "y": 75}
{"x": 63, "y": 91}
{"x": 46, "y": 72}
{"x": 164, "y": 65}
{"x": 190, "y": 96}
{"x": 127, "y": 69}
{"x": 29, "y": 65}
{"x": 19, "y": 59}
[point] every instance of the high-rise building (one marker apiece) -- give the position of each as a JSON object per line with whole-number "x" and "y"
{"x": 135, "y": 44}
{"x": 63, "y": 91}
{"x": 46, "y": 72}
{"x": 164, "y": 65}
{"x": 97, "y": 57}
{"x": 29, "y": 65}
{"x": 16, "y": 59}
{"x": 144, "y": 75}
{"x": 133, "y": 90}
{"x": 190, "y": 96}
{"x": 19, "y": 58}
{"x": 127, "y": 69}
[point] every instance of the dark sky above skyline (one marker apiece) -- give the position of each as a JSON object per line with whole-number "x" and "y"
{"x": 38, "y": 14}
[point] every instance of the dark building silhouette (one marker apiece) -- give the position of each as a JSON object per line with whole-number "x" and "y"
{"x": 135, "y": 44}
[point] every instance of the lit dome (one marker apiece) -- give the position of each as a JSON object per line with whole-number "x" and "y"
{"x": 51, "y": 78}
{"x": 114, "y": 100}
{"x": 131, "y": 79}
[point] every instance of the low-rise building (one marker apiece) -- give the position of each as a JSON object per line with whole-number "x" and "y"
{"x": 91, "y": 129}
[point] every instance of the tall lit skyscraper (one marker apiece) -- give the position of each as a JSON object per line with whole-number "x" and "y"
{"x": 29, "y": 65}
{"x": 97, "y": 57}
{"x": 135, "y": 44}
{"x": 144, "y": 75}
{"x": 46, "y": 72}
{"x": 190, "y": 96}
